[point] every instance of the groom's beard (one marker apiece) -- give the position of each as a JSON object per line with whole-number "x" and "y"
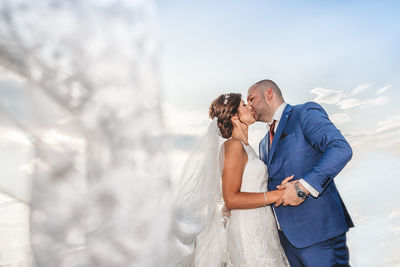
{"x": 270, "y": 114}
{"x": 254, "y": 114}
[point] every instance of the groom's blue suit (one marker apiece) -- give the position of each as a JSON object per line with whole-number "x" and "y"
{"x": 307, "y": 145}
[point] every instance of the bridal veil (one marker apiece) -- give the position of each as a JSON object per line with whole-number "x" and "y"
{"x": 199, "y": 234}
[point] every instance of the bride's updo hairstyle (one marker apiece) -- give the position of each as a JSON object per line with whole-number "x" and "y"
{"x": 223, "y": 108}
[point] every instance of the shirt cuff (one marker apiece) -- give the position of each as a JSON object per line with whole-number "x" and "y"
{"x": 311, "y": 189}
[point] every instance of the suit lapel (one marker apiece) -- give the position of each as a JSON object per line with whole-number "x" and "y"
{"x": 279, "y": 131}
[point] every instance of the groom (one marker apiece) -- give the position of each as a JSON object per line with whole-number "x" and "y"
{"x": 311, "y": 217}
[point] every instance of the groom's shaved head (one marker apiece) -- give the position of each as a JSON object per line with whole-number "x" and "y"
{"x": 263, "y": 85}
{"x": 264, "y": 97}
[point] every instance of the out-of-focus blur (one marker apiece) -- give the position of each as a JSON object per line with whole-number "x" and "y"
{"x": 83, "y": 180}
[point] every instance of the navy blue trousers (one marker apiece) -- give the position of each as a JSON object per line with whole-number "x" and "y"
{"x": 332, "y": 252}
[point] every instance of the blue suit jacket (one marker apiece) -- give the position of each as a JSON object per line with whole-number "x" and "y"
{"x": 309, "y": 146}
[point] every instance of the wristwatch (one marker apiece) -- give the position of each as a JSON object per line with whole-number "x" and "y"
{"x": 300, "y": 192}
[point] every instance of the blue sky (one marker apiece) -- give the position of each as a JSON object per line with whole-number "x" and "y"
{"x": 231, "y": 44}
{"x": 342, "y": 54}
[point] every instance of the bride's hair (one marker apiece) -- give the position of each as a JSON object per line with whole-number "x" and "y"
{"x": 223, "y": 108}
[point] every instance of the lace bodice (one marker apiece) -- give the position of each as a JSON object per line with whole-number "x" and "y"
{"x": 252, "y": 234}
{"x": 255, "y": 173}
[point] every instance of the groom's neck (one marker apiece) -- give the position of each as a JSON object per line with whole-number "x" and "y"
{"x": 273, "y": 107}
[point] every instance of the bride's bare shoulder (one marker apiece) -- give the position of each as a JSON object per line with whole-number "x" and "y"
{"x": 233, "y": 146}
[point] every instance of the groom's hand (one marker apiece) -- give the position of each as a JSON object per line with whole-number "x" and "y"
{"x": 282, "y": 185}
{"x": 289, "y": 196}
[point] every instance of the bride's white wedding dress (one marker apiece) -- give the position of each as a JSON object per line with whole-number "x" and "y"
{"x": 248, "y": 239}
{"x": 252, "y": 237}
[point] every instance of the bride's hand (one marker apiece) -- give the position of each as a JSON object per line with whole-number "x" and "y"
{"x": 225, "y": 212}
{"x": 282, "y": 185}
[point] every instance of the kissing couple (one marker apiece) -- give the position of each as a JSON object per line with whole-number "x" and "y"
{"x": 278, "y": 208}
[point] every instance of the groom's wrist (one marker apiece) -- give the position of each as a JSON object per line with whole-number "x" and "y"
{"x": 303, "y": 188}
{"x": 309, "y": 188}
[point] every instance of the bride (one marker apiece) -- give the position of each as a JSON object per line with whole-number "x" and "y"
{"x": 228, "y": 221}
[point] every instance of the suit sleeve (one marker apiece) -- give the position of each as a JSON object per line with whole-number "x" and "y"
{"x": 327, "y": 139}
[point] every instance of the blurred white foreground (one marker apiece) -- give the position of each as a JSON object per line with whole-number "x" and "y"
{"x": 81, "y": 135}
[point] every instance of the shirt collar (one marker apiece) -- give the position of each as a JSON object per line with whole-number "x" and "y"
{"x": 278, "y": 113}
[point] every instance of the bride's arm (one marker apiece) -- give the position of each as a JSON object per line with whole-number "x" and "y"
{"x": 234, "y": 164}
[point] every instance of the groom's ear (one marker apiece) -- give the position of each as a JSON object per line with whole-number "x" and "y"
{"x": 268, "y": 94}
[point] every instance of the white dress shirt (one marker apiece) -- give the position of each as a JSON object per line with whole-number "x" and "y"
{"x": 277, "y": 116}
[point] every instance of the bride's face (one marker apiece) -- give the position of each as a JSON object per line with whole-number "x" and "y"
{"x": 245, "y": 113}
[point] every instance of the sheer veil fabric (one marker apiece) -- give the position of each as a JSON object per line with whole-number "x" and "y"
{"x": 200, "y": 235}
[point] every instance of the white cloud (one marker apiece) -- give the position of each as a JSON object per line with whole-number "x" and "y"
{"x": 395, "y": 217}
{"x": 383, "y": 89}
{"x": 380, "y": 101}
{"x": 340, "y": 118}
{"x": 350, "y": 103}
{"x": 389, "y": 124}
{"x": 176, "y": 160}
{"x": 327, "y": 96}
{"x": 347, "y": 100}
{"x": 385, "y": 134}
{"x": 360, "y": 88}
{"x": 183, "y": 120}
{"x": 374, "y": 224}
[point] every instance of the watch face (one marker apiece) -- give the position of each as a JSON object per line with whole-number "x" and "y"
{"x": 301, "y": 194}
